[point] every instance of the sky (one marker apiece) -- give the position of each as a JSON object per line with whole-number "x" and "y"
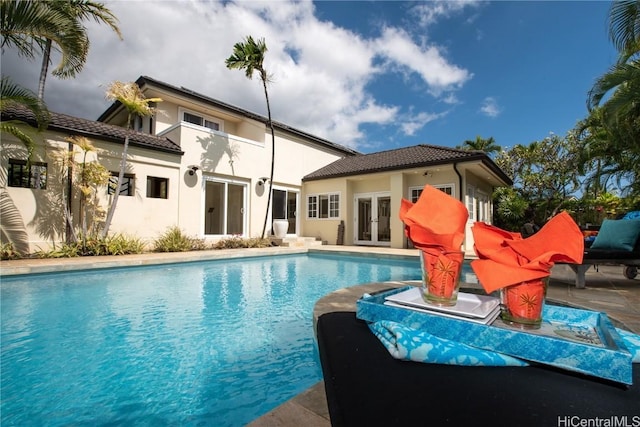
{"x": 370, "y": 75}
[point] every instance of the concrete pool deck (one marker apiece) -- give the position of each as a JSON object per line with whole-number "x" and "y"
{"x": 607, "y": 291}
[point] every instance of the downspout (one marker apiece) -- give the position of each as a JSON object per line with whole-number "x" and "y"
{"x": 455, "y": 168}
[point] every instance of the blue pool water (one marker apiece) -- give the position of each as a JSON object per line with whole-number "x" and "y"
{"x": 206, "y": 343}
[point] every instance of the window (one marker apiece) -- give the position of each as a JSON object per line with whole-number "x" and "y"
{"x": 157, "y": 188}
{"x": 33, "y": 175}
{"x": 127, "y": 184}
{"x": 200, "y": 121}
{"x": 323, "y": 206}
{"x": 415, "y": 192}
{"x": 334, "y": 206}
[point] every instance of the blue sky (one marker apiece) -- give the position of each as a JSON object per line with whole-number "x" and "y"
{"x": 369, "y": 75}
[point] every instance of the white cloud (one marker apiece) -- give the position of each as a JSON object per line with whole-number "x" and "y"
{"x": 321, "y": 72}
{"x": 490, "y": 107}
{"x": 412, "y": 123}
{"x": 441, "y": 76}
{"x": 430, "y": 12}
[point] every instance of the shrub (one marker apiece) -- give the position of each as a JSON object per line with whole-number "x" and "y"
{"x": 237, "y": 242}
{"x": 66, "y": 250}
{"x": 120, "y": 244}
{"x": 117, "y": 244}
{"x": 174, "y": 240}
{"x": 7, "y": 251}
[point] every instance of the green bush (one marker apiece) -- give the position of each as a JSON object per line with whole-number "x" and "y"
{"x": 174, "y": 240}
{"x": 7, "y": 251}
{"x": 237, "y": 242}
{"x": 120, "y": 244}
{"x": 117, "y": 244}
{"x": 66, "y": 250}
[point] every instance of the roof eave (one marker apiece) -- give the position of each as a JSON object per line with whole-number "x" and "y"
{"x": 482, "y": 157}
{"x": 182, "y": 91}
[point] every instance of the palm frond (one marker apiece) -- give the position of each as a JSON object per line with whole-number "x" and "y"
{"x": 624, "y": 26}
{"x": 27, "y": 25}
{"x": 12, "y": 94}
{"x": 130, "y": 95}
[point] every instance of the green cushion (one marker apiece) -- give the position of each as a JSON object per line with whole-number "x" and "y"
{"x": 617, "y": 235}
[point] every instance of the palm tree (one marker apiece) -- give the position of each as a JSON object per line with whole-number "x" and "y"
{"x": 249, "y": 56}
{"x": 487, "y": 145}
{"x": 78, "y": 10}
{"x": 27, "y": 25}
{"x": 622, "y": 80}
{"x": 129, "y": 95}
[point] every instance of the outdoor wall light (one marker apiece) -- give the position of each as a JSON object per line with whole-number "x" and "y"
{"x": 263, "y": 180}
{"x": 193, "y": 169}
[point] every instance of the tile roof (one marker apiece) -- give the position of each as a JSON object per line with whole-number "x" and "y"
{"x": 90, "y": 128}
{"x": 402, "y": 158}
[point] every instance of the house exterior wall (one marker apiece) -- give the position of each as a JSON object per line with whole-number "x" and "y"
{"x": 39, "y": 210}
{"x": 398, "y": 184}
{"x": 136, "y": 215}
{"x": 221, "y": 158}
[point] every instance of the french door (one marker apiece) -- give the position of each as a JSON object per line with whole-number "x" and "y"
{"x": 285, "y": 206}
{"x": 372, "y": 218}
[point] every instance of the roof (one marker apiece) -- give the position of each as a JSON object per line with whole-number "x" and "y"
{"x": 403, "y": 158}
{"x": 93, "y": 129}
{"x": 188, "y": 93}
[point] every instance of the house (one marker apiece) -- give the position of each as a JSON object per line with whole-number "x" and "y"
{"x": 204, "y": 165}
{"x": 371, "y": 187}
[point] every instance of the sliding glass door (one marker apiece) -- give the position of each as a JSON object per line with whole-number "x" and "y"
{"x": 224, "y": 208}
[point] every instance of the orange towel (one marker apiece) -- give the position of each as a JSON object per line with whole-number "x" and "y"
{"x": 435, "y": 221}
{"x": 508, "y": 259}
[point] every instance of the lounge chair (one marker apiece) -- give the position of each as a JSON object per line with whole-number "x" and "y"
{"x": 366, "y": 386}
{"x": 617, "y": 243}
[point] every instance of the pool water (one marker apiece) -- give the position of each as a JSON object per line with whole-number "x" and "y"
{"x": 205, "y": 343}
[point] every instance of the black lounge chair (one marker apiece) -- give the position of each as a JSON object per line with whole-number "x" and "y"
{"x": 617, "y": 243}
{"x": 365, "y": 386}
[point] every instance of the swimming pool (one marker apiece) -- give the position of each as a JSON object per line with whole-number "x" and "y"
{"x": 205, "y": 343}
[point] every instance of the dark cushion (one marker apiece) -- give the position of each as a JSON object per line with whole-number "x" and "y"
{"x": 365, "y": 386}
{"x": 617, "y": 235}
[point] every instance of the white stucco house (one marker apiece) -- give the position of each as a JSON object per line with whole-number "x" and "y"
{"x": 202, "y": 165}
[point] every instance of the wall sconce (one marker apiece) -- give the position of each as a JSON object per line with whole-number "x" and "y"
{"x": 193, "y": 169}
{"x": 263, "y": 180}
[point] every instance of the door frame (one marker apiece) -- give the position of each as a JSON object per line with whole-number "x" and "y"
{"x": 288, "y": 191}
{"x": 374, "y": 196}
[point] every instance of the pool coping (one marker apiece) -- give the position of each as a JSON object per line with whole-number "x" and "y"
{"x": 51, "y": 265}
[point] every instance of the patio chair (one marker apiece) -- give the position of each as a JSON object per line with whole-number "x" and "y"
{"x": 617, "y": 243}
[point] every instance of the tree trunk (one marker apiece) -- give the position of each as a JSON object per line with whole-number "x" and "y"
{"x": 112, "y": 208}
{"x": 273, "y": 155}
{"x": 44, "y": 69}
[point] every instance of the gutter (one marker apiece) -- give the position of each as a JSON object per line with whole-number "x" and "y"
{"x": 455, "y": 168}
